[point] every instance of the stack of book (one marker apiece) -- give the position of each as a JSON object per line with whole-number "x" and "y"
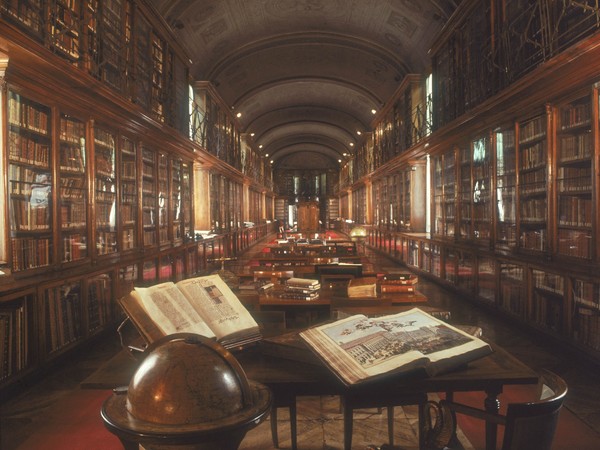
{"x": 398, "y": 282}
{"x": 301, "y": 289}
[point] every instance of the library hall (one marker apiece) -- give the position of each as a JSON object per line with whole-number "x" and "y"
{"x": 299, "y": 224}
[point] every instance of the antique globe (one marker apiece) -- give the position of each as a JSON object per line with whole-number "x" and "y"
{"x": 188, "y": 392}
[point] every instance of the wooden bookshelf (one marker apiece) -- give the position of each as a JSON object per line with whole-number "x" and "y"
{"x": 99, "y": 174}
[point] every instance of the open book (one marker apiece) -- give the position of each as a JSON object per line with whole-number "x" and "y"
{"x": 359, "y": 348}
{"x": 203, "y": 305}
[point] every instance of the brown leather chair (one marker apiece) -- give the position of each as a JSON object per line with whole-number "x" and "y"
{"x": 527, "y": 425}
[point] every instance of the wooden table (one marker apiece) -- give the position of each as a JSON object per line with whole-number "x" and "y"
{"x": 293, "y": 377}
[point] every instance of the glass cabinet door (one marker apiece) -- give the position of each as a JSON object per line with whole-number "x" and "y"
{"x": 506, "y": 185}
{"x": 163, "y": 198}
{"x": 106, "y": 195}
{"x": 129, "y": 201}
{"x": 533, "y": 200}
{"x": 73, "y": 190}
{"x": 482, "y": 189}
{"x": 465, "y": 194}
{"x": 574, "y": 151}
{"x": 186, "y": 183}
{"x": 449, "y": 174}
{"x": 176, "y": 200}
{"x": 149, "y": 219}
{"x": 29, "y": 183}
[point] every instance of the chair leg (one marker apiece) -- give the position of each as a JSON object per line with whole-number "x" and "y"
{"x": 390, "y": 421}
{"x": 274, "y": 436}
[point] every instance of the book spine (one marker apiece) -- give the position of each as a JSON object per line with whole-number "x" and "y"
{"x": 397, "y": 288}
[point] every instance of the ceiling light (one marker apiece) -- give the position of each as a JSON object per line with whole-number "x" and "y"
{"x": 373, "y": 111}
{"x": 358, "y": 132}
{"x": 351, "y": 144}
{"x": 344, "y": 154}
{"x": 251, "y": 134}
{"x": 266, "y": 155}
{"x": 260, "y": 146}
{"x": 271, "y": 161}
{"x": 238, "y": 115}
{"x": 339, "y": 160}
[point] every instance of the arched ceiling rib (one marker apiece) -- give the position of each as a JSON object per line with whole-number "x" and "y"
{"x": 288, "y": 65}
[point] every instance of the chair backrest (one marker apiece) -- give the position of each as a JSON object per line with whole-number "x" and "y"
{"x": 532, "y": 425}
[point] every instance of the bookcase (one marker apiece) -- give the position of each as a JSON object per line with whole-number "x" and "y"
{"x": 99, "y": 174}
{"x": 513, "y": 159}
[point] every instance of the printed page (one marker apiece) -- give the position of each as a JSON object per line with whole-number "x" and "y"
{"x": 357, "y": 348}
{"x": 216, "y": 303}
{"x": 171, "y": 311}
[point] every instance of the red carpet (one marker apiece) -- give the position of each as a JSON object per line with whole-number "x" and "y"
{"x": 74, "y": 423}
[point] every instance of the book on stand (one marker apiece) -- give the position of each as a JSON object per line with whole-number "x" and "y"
{"x": 359, "y": 349}
{"x": 202, "y": 305}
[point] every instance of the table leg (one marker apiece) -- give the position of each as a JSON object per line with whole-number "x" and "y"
{"x": 492, "y": 406}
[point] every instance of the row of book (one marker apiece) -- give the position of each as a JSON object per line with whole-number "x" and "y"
{"x": 28, "y": 116}
{"x": 576, "y": 115}
{"x": 574, "y": 148}
{"x": 63, "y": 316}
{"x": 533, "y": 129}
{"x": 533, "y": 209}
{"x": 26, "y": 150}
{"x": 575, "y": 211}
{"x": 575, "y": 243}
{"x": 72, "y": 131}
{"x": 72, "y": 159}
{"x": 74, "y": 247}
{"x": 574, "y": 179}
{"x": 534, "y": 156}
{"x": 13, "y": 340}
{"x": 28, "y": 216}
{"x": 73, "y": 215}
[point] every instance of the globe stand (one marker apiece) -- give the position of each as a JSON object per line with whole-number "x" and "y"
{"x": 189, "y": 393}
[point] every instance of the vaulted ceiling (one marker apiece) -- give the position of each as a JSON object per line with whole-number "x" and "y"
{"x": 306, "y": 74}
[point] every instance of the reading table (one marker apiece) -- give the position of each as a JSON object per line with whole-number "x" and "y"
{"x": 294, "y": 376}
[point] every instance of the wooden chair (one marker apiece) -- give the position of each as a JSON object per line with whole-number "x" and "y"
{"x": 527, "y": 425}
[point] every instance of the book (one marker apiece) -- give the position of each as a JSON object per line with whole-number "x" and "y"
{"x": 302, "y": 282}
{"x": 399, "y": 278}
{"x": 396, "y": 288}
{"x": 362, "y": 287}
{"x": 359, "y": 349}
{"x": 203, "y": 305}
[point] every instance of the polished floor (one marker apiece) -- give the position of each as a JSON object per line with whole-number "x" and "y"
{"x": 22, "y": 416}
